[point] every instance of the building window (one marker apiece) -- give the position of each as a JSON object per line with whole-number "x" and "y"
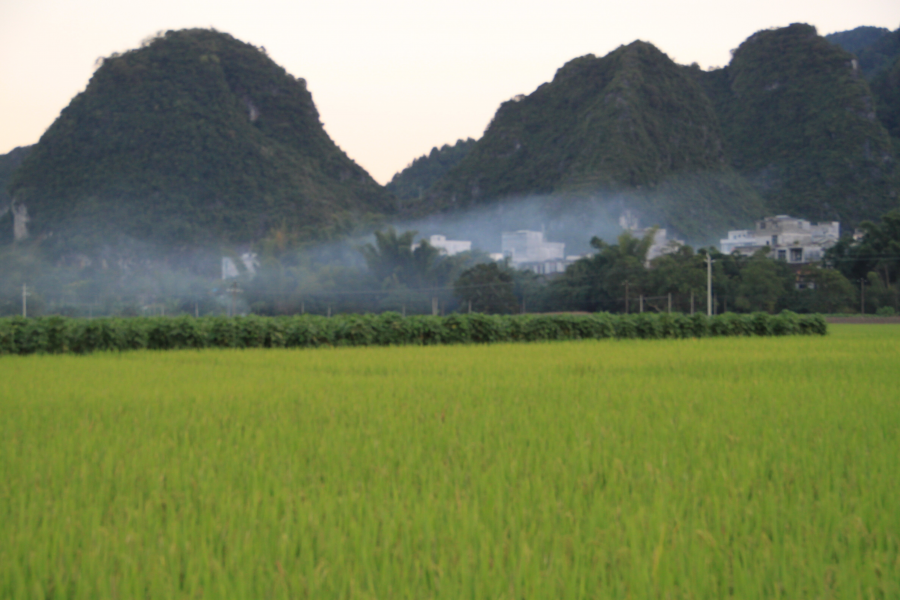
{"x": 774, "y": 240}
{"x": 796, "y": 254}
{"x": 782, "y": 255}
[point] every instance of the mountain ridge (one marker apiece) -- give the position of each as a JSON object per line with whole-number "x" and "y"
{"x": 192, "y": 138}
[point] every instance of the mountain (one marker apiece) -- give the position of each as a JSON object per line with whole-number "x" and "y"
{"x": 800, "y": 124}
{"x": 631, "y": 126}
{"x": 423, "y": 172}
{"x": 196, "y": 137}
{"x": 855, "y": 40}
{"x": 880, "y": 54}
{"x": 886, "y": 87}
{"x": 8, "y": 164}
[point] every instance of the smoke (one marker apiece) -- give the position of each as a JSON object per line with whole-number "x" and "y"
{"x": 569, "y": 218}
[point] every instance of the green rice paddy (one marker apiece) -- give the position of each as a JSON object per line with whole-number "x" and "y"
{"x": 713, "y": 468}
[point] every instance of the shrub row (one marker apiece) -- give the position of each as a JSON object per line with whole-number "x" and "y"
{"x": 56, "y": 335}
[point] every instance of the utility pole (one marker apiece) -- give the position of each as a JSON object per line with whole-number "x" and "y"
{"x": 692, "y": 302}
{"x": 233, "y": 291}
{"x": 434, "y": 307}
{"x": 670, "y": 303}
{"x": 25, "y": 295}
{"x": 641, "y": 304}
{"x": 708, "y": 285}
{"x": 862, "y": 296}
{"x": 626, "y": 297}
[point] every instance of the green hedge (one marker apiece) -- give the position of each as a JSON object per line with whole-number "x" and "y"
{"x": 54, "y": 335}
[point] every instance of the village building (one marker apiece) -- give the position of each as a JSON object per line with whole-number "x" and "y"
{"x": 449, "y": 247}
{"x": 528, "y": 250}
{"x": 793, "y": 240}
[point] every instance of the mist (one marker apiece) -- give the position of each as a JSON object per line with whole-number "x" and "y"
{"x": 569, "y": 218}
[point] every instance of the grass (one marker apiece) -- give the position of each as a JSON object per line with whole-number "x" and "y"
{"x": 741, "y": 467}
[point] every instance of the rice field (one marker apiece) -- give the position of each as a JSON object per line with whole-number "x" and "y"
{"x": 713, "y": 468}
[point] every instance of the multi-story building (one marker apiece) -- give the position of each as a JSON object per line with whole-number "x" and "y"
{"x": 786, "y": 238}
{"x": 528, "y": 250}
{"x": 449, "y": 247}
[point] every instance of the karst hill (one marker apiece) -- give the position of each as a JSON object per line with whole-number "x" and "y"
{"x": 791, "y": 125}
{"x": 631, "y": 125}
{"x": 195, "y": 137}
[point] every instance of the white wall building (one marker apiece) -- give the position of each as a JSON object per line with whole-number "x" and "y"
{"x": 528, "y": 250}
{"x": 230, "y": 270}
{"x": 661, "y": 242}
{"x": 449, "y": 247}
{"x": 786, "y": 238}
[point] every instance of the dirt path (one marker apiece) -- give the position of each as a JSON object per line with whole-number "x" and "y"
{"x": 863, "y": 320}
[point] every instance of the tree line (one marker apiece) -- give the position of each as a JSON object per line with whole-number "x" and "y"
{"x": 394, "y": 273}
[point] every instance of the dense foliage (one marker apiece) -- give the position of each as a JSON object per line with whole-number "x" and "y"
{"x": 880, "y": 54}
{"x": 886, "y": 88}
{"x": 854, "y": 40}
{"x": 618, "y": 277}
{"x": 8, "y": 164}
{"x": 873, "y": 262}
{"x": 59, "y": 334}
{"x": 412, "y": 182}
{"x": 631, "y": 124}
{"x": 800, "y": 124}
{"x": 194, "y": 138}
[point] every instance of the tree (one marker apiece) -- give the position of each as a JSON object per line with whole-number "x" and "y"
{"x": 599, "y": 282}
{"x": 762, "y": 285}
{"x": 488, "y": 287}
{"x": 831, "y": 292}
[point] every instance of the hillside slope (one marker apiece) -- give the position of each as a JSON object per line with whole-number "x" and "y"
{"x": 425, "y": 171}
{"x": 9, "y": 162}
{"x": 800, "y": 124}
{"x": 854, "y": 40}
{"x": 631, "y": 126}
{"x": 880, "y": 54}
{"x": 193, "y": 138}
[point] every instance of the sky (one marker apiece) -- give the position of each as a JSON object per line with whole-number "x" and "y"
{"x": 391, "y": 79}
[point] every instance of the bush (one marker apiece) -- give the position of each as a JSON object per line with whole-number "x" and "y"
{"x": 60, "y": 334}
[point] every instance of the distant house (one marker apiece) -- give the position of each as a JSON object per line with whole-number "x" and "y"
{"x": 449, "y": 247}
{"x": 661, "y": 243}
{"x": 793, "y": 240}
{"x": 528, "y": 250}
{"x": 248, "y": 261}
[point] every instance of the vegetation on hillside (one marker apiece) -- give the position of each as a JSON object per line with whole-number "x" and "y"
{"x": 193, "y": 138}
{"x": 854, "y": 40}
{"x": 423, "y": 172}
{"x": 8, "y": 164}
{"x": 800, "y": 125}
{"x": 886, "y": 88}
{"x": 880, "y": 54}
{"x": 630, "y": 125}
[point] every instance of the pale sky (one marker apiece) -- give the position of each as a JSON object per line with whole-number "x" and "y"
{"x": 391, "y": 79}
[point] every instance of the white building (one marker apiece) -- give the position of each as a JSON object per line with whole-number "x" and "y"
{"x": 528, "y": 250}
{"x": 449, "y": 247}
{"x": 661, "y": 242}
{"x": 230, "y": 270}
{"x": 786, "y": 238}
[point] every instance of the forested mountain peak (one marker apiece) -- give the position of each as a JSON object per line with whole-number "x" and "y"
{"x": 195, "y": 137}
{"x": 800, "y": 124}
{"x": 854, "y": 40}
{"x": 631, "y": 125}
